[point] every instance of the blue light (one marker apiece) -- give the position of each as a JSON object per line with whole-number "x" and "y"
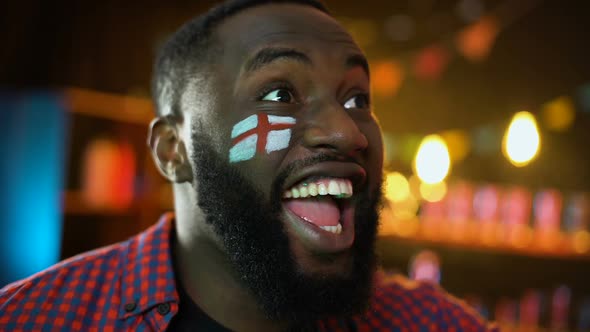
{"x": 31, "y": 173}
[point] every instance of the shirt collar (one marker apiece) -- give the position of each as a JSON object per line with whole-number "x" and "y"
{"x": 147, "y": 273}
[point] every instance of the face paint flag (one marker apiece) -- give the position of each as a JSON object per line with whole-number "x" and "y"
{"x": 260, "y": 133}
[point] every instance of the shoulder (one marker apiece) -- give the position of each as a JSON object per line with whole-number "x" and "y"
{"x": 426, "y": 305}
{"x": 399, "y": 304}
{"x": 63, "y": 288}
{"x": 98, "y": 290}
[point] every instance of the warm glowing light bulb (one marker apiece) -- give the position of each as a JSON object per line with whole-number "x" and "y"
{"x": 522, "y": 139}
{"x": 433, "y": 162}
{"x": 397, "y": 188}
{"x": 433, "y": 192}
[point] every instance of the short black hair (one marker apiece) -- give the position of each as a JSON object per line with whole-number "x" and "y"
{"x": 186, "y": 53}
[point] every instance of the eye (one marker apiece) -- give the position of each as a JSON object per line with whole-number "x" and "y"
{"x": 279, "y": 95}
{"x": 360, "y": 101}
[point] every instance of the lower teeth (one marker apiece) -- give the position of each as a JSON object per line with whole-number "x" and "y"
{"x": 333, "y": 229}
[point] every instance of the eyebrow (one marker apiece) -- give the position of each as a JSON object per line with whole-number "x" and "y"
{"x": 357, "y": 60}
{"x": 269, "y": 55}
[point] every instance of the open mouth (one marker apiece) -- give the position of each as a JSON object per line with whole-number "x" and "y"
{"x": 320, "y": 201}
{"x": 319, "y": 205}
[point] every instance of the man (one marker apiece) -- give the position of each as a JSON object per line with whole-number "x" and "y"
{"x": 264, "y": 127}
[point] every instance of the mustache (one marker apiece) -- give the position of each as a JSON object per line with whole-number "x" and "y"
{"x": 297, "y": 165}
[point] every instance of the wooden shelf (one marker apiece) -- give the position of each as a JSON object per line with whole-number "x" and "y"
{"x": 74, "y": 203}
{"x": 117, "y": 108}
{"x": 488, "y": 238}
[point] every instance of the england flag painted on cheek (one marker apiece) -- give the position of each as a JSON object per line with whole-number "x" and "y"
{"x": 260, "y": 133}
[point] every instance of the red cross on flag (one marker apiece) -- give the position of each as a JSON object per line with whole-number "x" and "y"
{"x": 260, "y": 133}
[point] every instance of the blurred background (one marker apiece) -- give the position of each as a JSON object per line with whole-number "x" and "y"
{"x": 485, "y": 109}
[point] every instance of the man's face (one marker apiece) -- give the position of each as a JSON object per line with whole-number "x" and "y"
{"x": 294, "y": 205}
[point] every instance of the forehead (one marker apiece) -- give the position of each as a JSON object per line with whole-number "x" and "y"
{"x": 287, "y": 25}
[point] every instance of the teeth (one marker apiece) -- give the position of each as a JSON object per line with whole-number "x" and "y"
{"x": 303, "y": 191}
{"x": 334, "y": 188}
{"x": 339, "y": 188}
{"x": 313, "y": 189}
{"x": 322, "y": 189}
{"x": 343, "y": 187}
{"x": 333, "y": 229}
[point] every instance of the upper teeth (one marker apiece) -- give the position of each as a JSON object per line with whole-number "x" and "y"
{"x": 341, "y": 188}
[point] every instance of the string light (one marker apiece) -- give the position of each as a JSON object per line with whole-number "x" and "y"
{"x": 522, "y": 141}
{"x": 397, "y": 188}
{"x": 432, "y": 163}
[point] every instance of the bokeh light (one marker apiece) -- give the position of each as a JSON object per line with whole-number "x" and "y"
{"x": 397, "y": 188}
{"x": 433, "y": 192}
{"x": 387, "y": 77}
{"x": 522, "y": 140}
{"x": 432, "y": 163}
{"x": 108, "y": 174}
{"x": 431, "y": 62}
{"x": 425, "y": 266}
{"x": 476, "y": 41}
{"x": 559, "y": 114}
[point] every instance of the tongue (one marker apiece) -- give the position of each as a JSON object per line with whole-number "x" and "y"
{"x": 321, "y": 212}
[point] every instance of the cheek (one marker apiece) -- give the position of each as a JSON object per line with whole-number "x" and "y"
{"x": 261, "y": 172}
{"x": 256, "y": 146}
{"x": 375, "y": 152}
{"x": 373, "y": 134}
{"x": 258, "y": 135}
{"x": 209, "y": 128}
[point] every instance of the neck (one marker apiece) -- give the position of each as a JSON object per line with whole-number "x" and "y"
{"x": 208, "y": 276}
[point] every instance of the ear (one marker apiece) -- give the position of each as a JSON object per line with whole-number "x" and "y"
{"x": 168, "y": 150}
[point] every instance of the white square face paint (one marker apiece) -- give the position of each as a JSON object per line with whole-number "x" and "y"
{"x": 244, "y": 149}
{"x": 278, "y": 140}
{"x": 260, "y": 133}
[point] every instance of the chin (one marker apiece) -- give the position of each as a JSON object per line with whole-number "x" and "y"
{"x": 324, "y": 266}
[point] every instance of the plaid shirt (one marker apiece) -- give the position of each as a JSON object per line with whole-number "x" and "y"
{"x": 130, "y": 286}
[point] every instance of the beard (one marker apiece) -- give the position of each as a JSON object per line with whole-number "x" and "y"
{"x": 257, "y": 245}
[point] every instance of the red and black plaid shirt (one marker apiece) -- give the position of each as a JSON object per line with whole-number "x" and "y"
{"x": 130, "y": 286}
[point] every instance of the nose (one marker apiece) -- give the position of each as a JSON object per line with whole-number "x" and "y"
{"x": 333, "y": 129}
